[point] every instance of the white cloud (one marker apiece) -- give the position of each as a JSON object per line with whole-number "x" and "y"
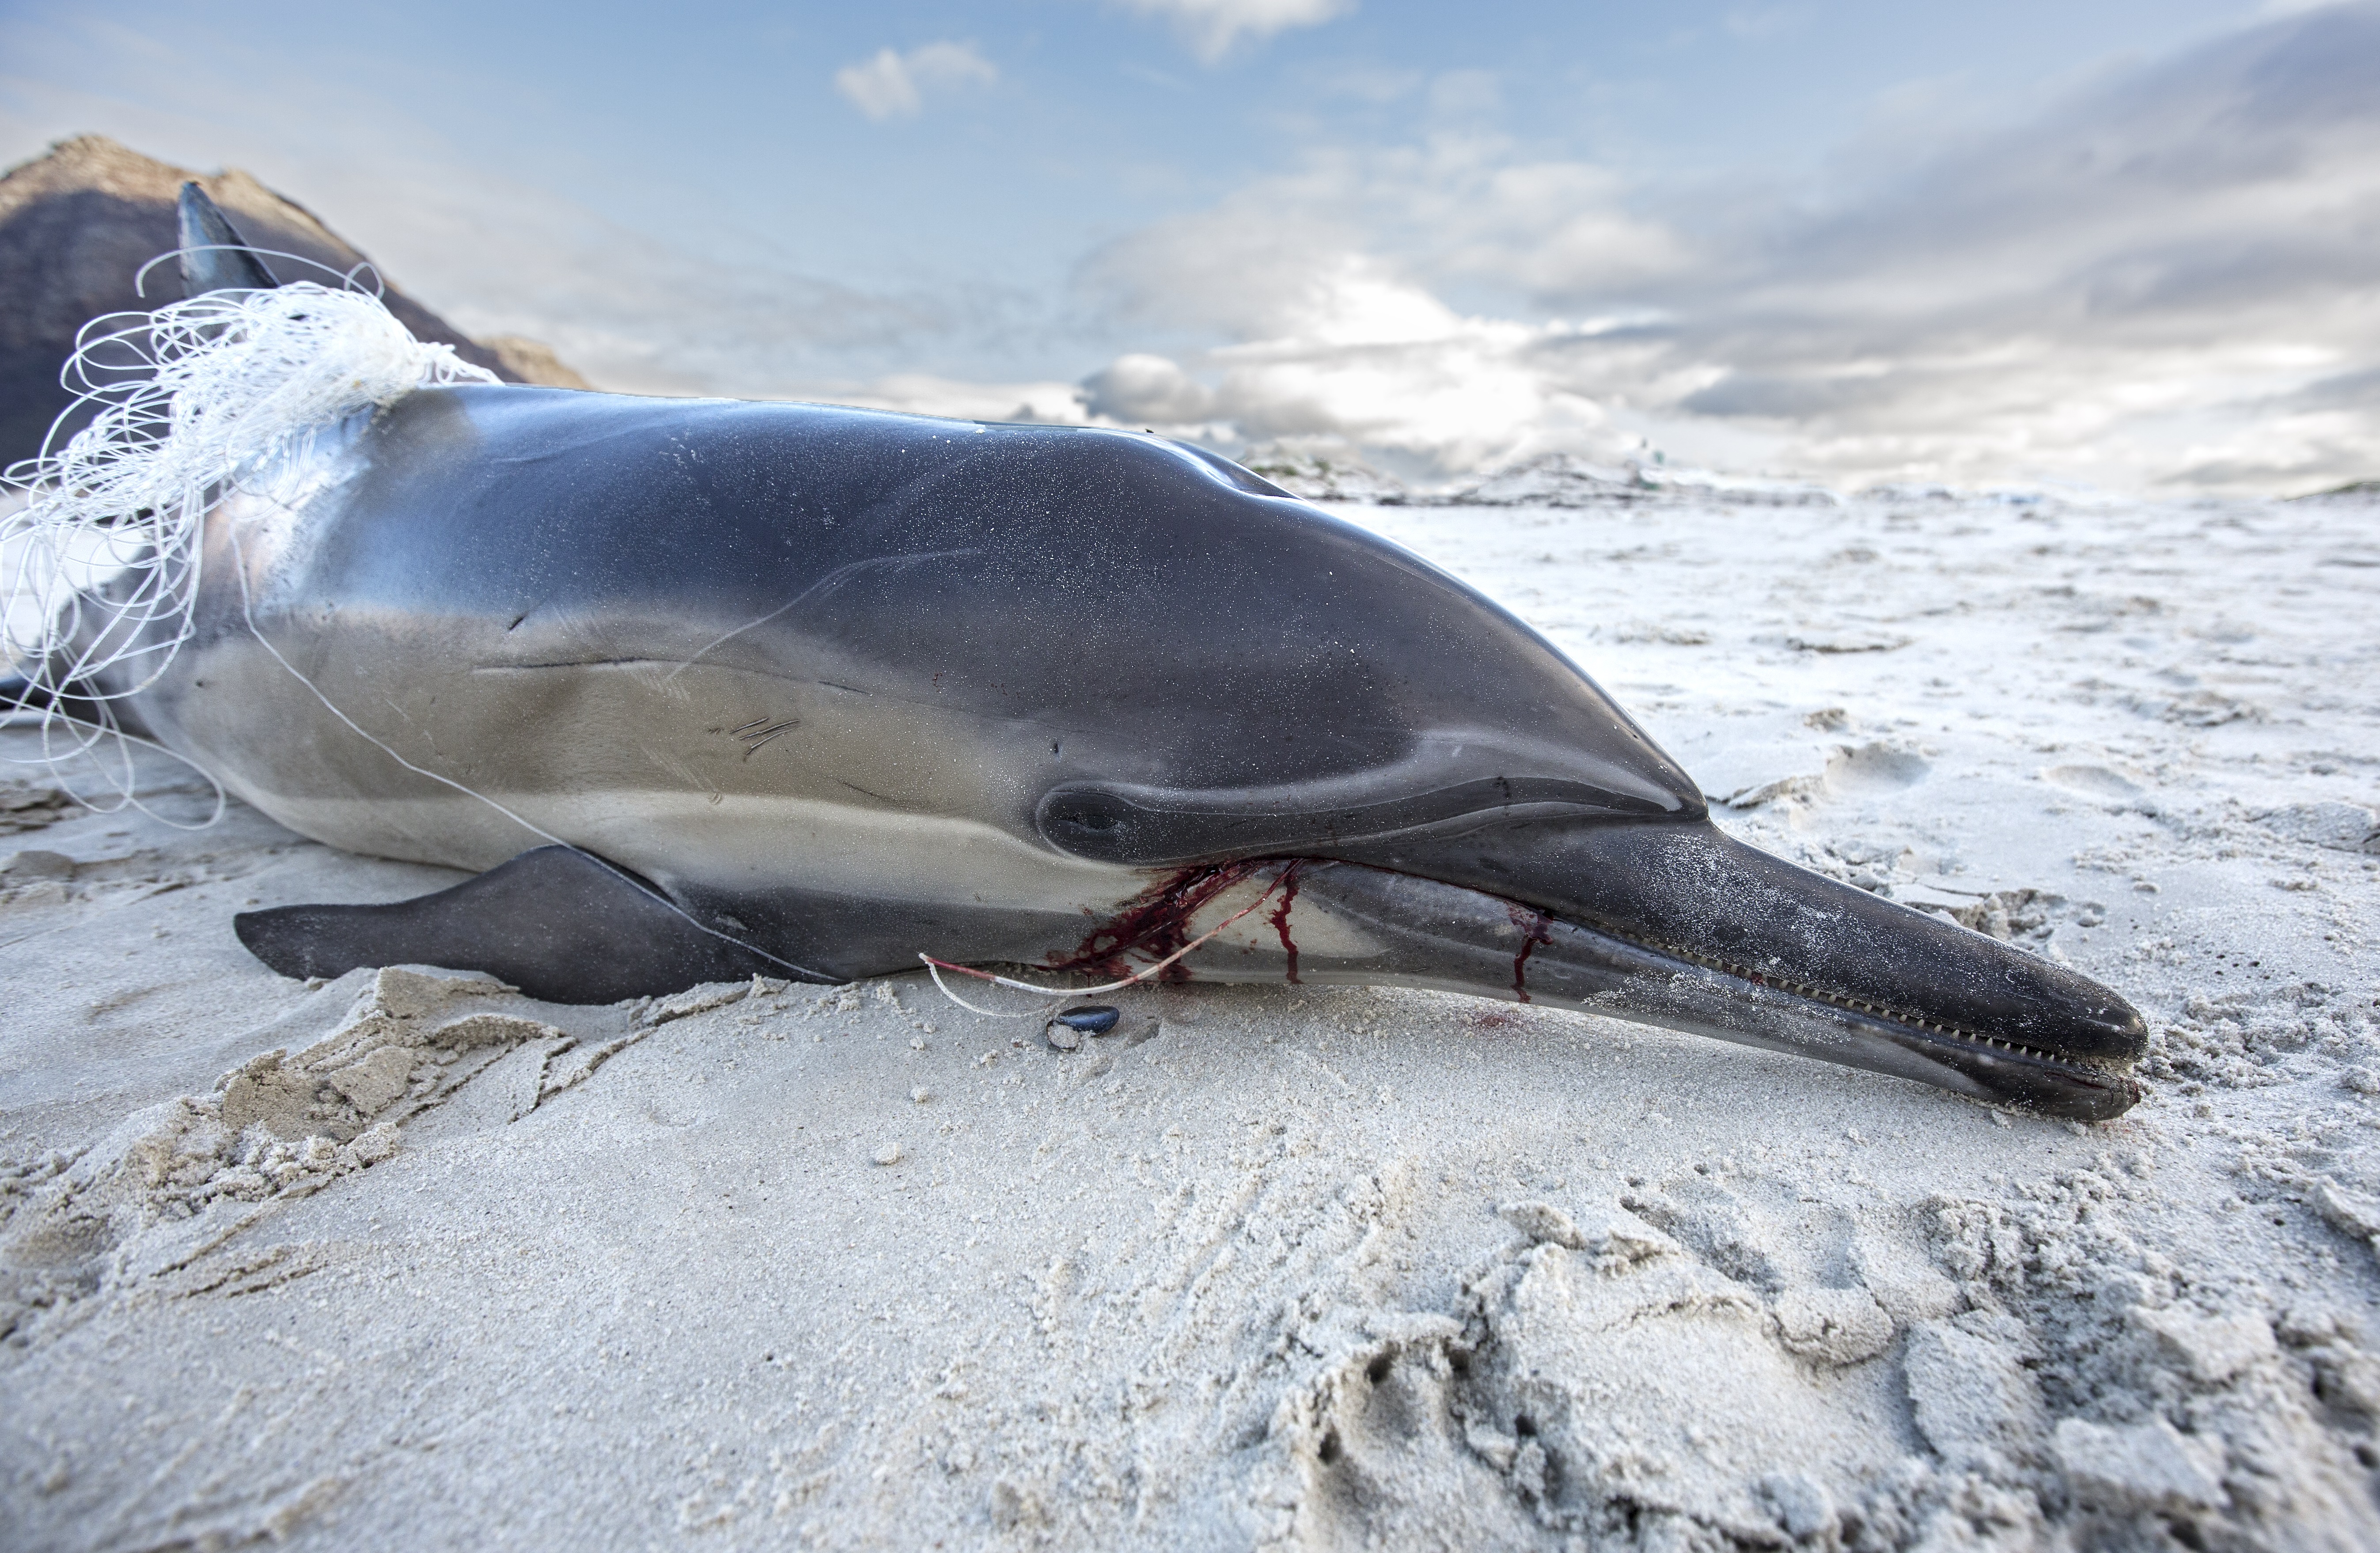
{"x": 890, "y": 84}
{"x": 1452, "y": 207}
{"x": 1345, "y": 350}
{"x": 1211, "y": 27}
{"x": 1331, "y": 342}
{"x": 1153, "y": 390}
{"x": 1759, "y": 23}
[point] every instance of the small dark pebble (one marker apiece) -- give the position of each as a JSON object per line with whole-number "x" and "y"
{"x": 1092, "y": 1019}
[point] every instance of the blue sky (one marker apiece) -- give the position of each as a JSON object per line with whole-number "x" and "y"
{"x": 2105, "y": 242}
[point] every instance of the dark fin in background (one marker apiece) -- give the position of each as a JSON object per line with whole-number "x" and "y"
{"x": 558, "y": 924}
{"x": 19, "y": 694}
{"x": 207, "y": 263}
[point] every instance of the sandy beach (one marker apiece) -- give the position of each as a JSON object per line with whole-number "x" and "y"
{"x": 408, "y": 1260}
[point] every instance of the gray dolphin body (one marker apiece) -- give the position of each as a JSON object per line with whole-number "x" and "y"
{"x": 705, "y": 688}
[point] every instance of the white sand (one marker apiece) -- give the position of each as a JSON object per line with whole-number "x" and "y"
{"x": 1311, "y": 1268}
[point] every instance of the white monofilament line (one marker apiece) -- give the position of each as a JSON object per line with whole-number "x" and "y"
{"x": 935, "y": 967}
{"x": 100, "y": 569}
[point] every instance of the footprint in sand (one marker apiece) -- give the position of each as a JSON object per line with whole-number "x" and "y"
{"x": 1871, "y": 770}
{"x": 2093, "y": 781}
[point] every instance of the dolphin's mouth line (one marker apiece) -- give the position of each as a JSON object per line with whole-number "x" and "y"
{"x": 1935, "y": 1029}
{"x": 1160, "y": 921}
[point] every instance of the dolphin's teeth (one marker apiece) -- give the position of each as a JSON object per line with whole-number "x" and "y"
{"x": 1843, "y": 1001}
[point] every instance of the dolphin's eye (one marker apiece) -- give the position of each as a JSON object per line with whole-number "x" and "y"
{"x": 1090, "y": 823}
{"x": 1087, "y": 813}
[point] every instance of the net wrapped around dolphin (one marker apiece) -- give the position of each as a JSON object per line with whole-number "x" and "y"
{"x": 101, "y": 564}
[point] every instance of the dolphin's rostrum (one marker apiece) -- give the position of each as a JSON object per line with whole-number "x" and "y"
{"x": 706, "y": 689}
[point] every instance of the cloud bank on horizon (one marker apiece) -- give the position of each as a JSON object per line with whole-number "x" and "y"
{"x": 2156, "y": 272}
{"x": 2171, "y": 277}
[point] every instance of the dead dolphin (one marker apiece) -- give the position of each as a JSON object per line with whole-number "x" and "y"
{"x": 707, "y": 688}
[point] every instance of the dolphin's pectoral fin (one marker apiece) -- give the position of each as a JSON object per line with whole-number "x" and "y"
{"x": 77, "y": 701}
{"x": 561, "y": 925}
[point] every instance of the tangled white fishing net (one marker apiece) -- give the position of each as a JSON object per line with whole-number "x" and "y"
{"x": 101, "y": 564}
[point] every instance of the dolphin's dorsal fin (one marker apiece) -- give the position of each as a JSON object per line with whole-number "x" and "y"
{"x": 214, "y": 255}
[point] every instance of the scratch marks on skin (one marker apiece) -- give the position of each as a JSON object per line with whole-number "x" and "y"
{"x": 659, "y": 674}
{"x": 422, "y": 729}
{"x": 754, "y": 734}
{"x": 671, "y": 761}
{"x": 826, "y": 584}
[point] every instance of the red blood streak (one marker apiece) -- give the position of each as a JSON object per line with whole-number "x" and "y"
{"x": 1537, "y": 927}
{"x": 1158, "y": 923}
{"x": 1280, "y": 918}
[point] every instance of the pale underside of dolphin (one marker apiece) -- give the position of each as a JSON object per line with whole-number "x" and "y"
{"x": 706, "y": 689}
